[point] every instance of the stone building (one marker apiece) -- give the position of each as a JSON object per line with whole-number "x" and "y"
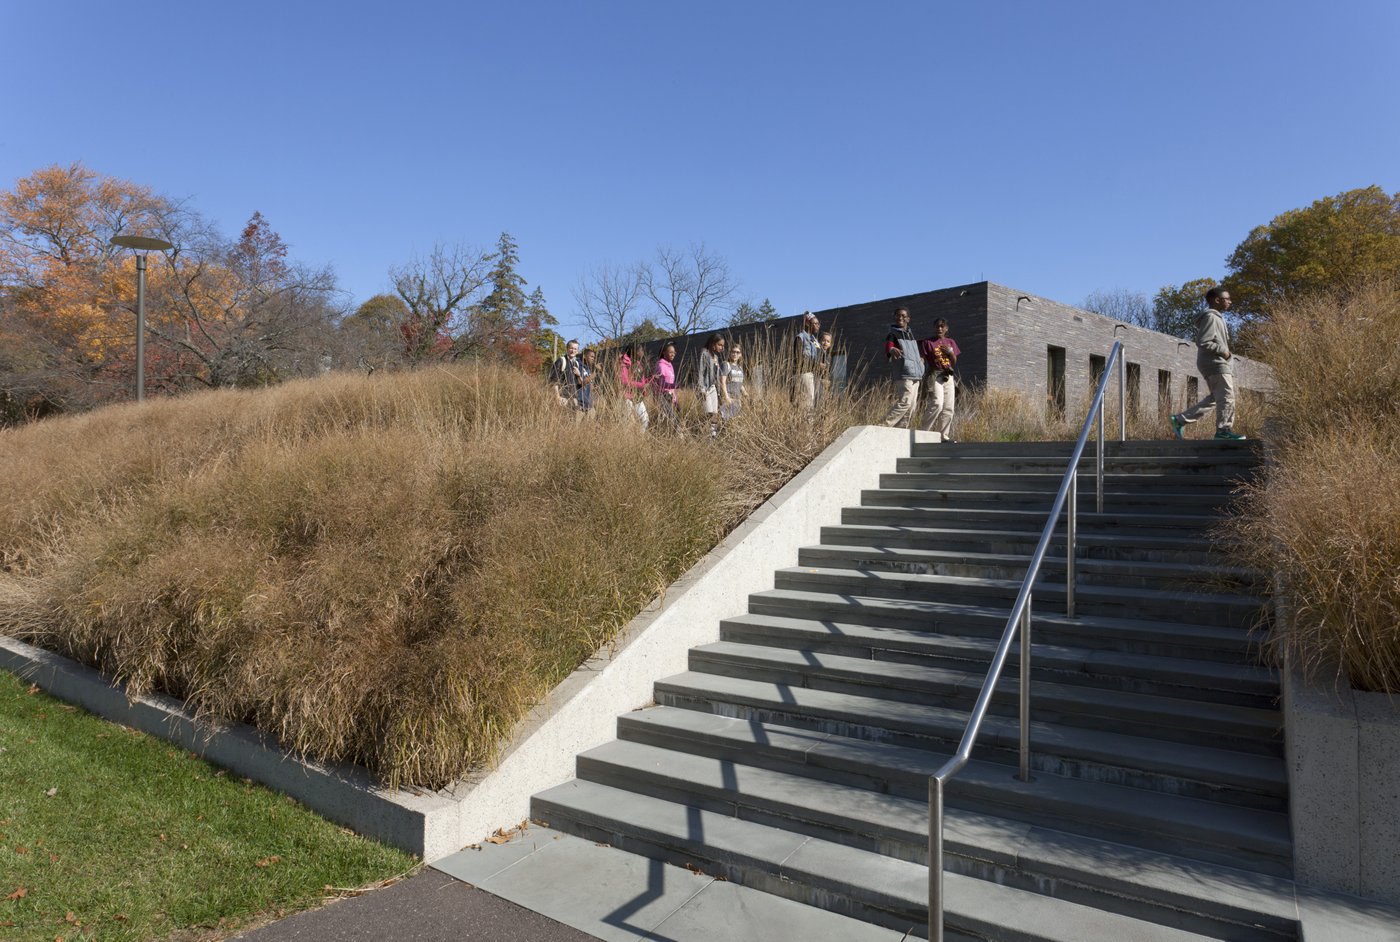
{"x": 1012, "y": 339}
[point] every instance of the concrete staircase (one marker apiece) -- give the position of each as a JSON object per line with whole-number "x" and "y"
{"x": 794, "y": 755}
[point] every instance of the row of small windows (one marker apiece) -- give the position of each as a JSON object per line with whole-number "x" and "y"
{"x": 1055, "y": 383}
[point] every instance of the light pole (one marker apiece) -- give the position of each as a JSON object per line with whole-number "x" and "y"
{"x": 141, "y": 245}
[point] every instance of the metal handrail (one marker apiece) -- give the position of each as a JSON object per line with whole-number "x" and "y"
{"x": 1021, "y": 617}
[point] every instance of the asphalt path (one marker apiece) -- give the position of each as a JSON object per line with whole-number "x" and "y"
{"x": 427, "y": 907}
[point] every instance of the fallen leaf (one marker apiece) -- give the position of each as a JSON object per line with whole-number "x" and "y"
{"x": 53, "y": 858}
{"x": 267, "y": 861}
{"x": 500, "y": 837}
{"x": 33, "y": 689}
{"x": 19, "y": 893}
{"x": 162, "y": 837}
{"x": 119, "y": 917}
{"x": 52, "y": 791}
{"x": 70, "y": 917}
{"x": 21, "y": 849}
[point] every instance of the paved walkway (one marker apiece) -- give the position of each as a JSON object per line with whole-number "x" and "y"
{"x": 428, "y": 907}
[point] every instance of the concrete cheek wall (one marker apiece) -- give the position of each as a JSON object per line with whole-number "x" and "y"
{"x": 577, "y": 715}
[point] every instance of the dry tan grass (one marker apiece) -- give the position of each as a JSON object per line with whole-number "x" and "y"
{"x": 1328, "y": 514}
{"x": 384, "y": 570}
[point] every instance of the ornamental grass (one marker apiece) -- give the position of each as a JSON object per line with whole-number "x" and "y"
{"x": 1327, "y": 515}
{"x": 384, "y": 570}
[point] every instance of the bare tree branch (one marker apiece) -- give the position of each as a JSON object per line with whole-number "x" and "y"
{"x": 687, "y": 288}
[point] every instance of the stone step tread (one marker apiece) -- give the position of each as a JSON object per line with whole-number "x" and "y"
{"x": 897, "y": 887}
{"x": 914, "y": 639}
{"x": 1194, "y": 573}
{"x": 1051, "y": 480}
{"x": 1040, "y": 497}
{"x": 1246, "y": 721}
{"x": 1086, "y": 518}
{"x": 947, "y": 612}
{"x": 1147, "y": 541}
{"x": 1199, "y": 763}
{"x": 1266, "y": 832}
{"x": 1101, "y": 593}
{"x": 1164, "y": 446}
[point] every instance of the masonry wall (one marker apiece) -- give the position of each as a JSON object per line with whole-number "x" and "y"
{"x": 1021, "y": 327}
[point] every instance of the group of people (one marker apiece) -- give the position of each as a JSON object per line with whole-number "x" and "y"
{"x": 719, "y": 382}
{"x": 915, "y": 364}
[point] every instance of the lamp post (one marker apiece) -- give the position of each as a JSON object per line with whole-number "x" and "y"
{"x": 141, "y": 245}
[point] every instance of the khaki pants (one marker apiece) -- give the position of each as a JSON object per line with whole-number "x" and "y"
{"x": 906, "y": 392}
{"x": 938, "y": 412}
{"x": 1221, "y": 399}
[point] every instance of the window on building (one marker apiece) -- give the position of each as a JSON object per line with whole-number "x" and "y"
{"x": 1193, "y": 392}
{"x": 1096, "y": 365}
{"x": 1164, "y": 391}
{"x": 1134, "y": 388}
{"x": 1055, "y": 381}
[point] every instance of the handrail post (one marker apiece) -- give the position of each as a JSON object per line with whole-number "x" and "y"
{"x": 935, "y": 859}
{"x": 1098, "y": 460}
{"x": 1122, "y": 395}
{"x": 1071, "y": 515}
{"x": 1026, "y": 691}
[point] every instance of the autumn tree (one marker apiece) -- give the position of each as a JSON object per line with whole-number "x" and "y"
{"x": 69, "y": 342}
{"x": 438, "y": 293}
{"x": 370, "y": 337}
{"x": 1176, "y": 307}
{"x": 240, "y": 313}
{"x": 1337, "y": 241}
{"x": 686, "y": 289}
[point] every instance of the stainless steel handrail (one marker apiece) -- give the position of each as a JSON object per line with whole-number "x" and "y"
{"x": 1020, "y": 617}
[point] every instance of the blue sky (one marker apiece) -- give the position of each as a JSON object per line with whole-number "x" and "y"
{"x": 833, "y": 153}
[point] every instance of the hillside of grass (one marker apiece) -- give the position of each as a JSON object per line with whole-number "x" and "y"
{"x": 384, "y": 570}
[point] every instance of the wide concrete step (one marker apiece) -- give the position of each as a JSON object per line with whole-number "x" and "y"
{"x": 1191, "y": 769}
{"x": 1247, "y": 450}
{"x": 850, "y": 880}
{"x": 1228, "y": 682}
{"x": 1226, "y": 466}
{"x": 1144, "y": 636}
{"x": 1107, "y": 572}
{"x": 1049, "y": 482}
{"x": 1241, "y": 728}
{"x": 1187, "y": 502}
{"x": 1234, "y": 610}
{"x": 1154, "y": 547}
{"x": 1240, "y": 837}
{"x": 1181, "y": 525}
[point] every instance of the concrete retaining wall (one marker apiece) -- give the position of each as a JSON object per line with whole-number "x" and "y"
{"x": 1343, "y": 749}
{"x": 579, "y": 714}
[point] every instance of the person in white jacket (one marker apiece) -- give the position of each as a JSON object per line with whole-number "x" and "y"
{"x": 1216, "y": 364}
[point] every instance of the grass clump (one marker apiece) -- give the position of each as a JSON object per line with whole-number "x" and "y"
{"x": 1327, "y": 515}
{"x": 107, "y": 833}
{"x": 383, "y": 570}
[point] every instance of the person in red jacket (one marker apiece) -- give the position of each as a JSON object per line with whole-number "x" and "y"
{"x": 941, "y": 354}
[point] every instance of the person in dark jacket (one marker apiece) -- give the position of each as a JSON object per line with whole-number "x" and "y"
{"x": 906, "y": 370}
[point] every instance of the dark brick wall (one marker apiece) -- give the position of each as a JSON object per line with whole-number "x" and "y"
{"x": 1004, "y": 341}
{"x": 1021, "y": 330}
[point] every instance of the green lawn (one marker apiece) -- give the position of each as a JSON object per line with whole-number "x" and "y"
{"x": 107, "y": 833}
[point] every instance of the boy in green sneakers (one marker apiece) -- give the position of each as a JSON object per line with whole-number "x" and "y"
{"x": 1215, "y": 363}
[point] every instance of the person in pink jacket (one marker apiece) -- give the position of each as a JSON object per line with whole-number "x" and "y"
{"x": 664, "y": 382}
{"x": 633, "y": 389}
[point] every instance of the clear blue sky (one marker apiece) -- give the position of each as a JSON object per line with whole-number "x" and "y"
{"x": 833, "y": 153}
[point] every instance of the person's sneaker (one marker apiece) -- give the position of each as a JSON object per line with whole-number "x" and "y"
{"x": 1177, "y": 426}
{"x": 1226, "y": 435}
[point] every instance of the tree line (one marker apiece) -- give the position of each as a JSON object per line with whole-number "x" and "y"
{"x": 1337, "y": 241}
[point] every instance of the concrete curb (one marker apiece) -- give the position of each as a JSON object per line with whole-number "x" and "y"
{"x": 578, "y": 714}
